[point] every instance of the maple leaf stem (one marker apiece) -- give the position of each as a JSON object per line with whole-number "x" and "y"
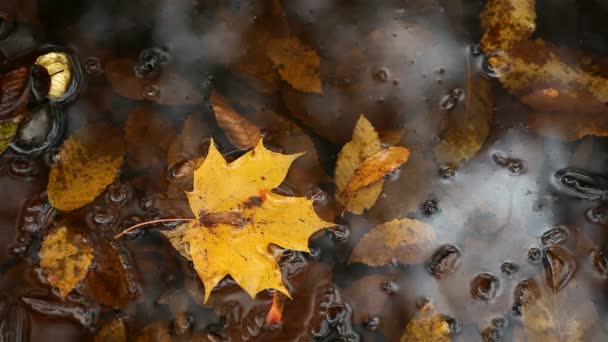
{"x": 119, "y": 235}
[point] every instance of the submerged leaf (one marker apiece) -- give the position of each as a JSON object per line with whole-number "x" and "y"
{"x": 427, "y": 326}
{"x": 13, "y": 92}
{"x": 238, "y": 217}
{"x": 468, "y": 124}
{"x": 86, "y": 164}
{"x": 297, "y": 63}
{"x": 405, "y": 240}
{"x": 166, "y": 89}
{"x": 241, "y": 133}
{"x": 8, "y": 131}
{"x": 364, "y": 144}
{"x": 65, "y": 258}
{"x": 113, "y": 331}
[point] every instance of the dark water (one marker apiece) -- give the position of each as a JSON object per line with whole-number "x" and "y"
{"x": 395, "y": 61}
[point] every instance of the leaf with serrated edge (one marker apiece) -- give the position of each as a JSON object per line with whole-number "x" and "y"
{"x": 243, "y": 188}
{"x": 364, "y": 144}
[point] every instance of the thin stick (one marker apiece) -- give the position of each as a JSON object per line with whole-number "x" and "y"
{"x": 119, "y": 235}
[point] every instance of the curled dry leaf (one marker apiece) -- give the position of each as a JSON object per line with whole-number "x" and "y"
{"x": 364, "y": 144}
{"x": 566, "y": 316}
{"x": 543, "y": 75}
{"x": 468, "y": 124}
{"x": 375, "y": 168}
{"x": 427, "y": 325}
{"x": 297, "y": 63}
{"x": 60, "y": 71}
{"x": 240, "y": 131}
{"x": 405, "y": 240}
{"x": 65, "y": 258}
{"x": 86, "y": 164}
{"x": 13, "y": 92}
{"x": 238, "y": 217}
{"x": 113, "y": 331}
{"x": 166, "y": 89}
{"x": 148, "y": 135}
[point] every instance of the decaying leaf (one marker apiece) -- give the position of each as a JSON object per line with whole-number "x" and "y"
{"x": 375, "y": 168}
{"x": 13, "y": 92}
{"x": 554, "y": 317}
{"x": 166, "y": 89}
{"x": 405, "y": 240}
{"x": 241, "y": 133}
{"x": 468, "y": 124}
{"x": 297, "y": 63}
{"x": 86, "y": 164}
{"x": 148, "y": 135}
{"x": 364, "y": 144}
{"x": 8, "y": 131}
{"x": 58, "y": 66}
{"x": 238, "y": 217}
{"x": 65, "y": 258}
{"x": 427, "y": 326}
{"x": 552, "y": 75}
{"x": 113, "y": 331}
{"x": 188, "y": 145}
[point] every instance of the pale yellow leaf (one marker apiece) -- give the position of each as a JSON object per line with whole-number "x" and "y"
{"x": 59, "y": 68}
{"x": 297, "y": 63}
{"x": 427, "y": 326}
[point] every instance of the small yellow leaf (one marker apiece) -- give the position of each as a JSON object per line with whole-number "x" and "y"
{"x": 65, "y": 258}
{"x": 86, "y": 164}
{"x": 375, "y": 168}
{"x": 406, "y": 240}
{"x": 113, "y": 331}
{"x": 239, "y": 217}
{"x": 8, "y": 131}
{"x": 241, "y": 133}
{"x": 297, "y": 63}
{"x": 60, "y": 70}
{"x": 427, "y": 326}
{"x": 364, "y": 144}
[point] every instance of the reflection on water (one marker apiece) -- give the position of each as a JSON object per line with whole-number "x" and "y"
{"x": 502, "y": 104}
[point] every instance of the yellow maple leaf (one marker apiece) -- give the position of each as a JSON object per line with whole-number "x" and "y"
{"x": 65, "y": 258}
{"x": 238, "y": 217}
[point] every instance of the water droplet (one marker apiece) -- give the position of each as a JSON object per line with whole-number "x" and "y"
{"x": 499, "y": 322}
{"x": 495, "y": 64}
{"x": 182, "y": 324}
{"x": 104, "y": 216}
{"x": 339, "y": 233}
{"x": 317, "y": 195}
{"x": 554, "y": 236}
{"x": 453, "y": 325}
{"x": 447, "y": 102}
{"x": 172, "y": 214}
{"x": 381, "y": 75}
{"x": 372, "y": 323}
{"x": 526, "y": 292}
{"x": 181, "y": 171}
{"x": 151, "y": 92}
{"x": 389, "y": 287}
{"x": 598, "y": 214}
{"x": 484, "y": 287}
{"x": 515, "y": 166}
{"x": 444, "y": 261}
{"x": 535, "y": 255}
{"x": 430, "y": 208}
{"x": 146, "y": 203}
{"x": 491, "y": 334}
{"x": 559, "y": 267}
{"x": 23, "y": 168}
{"x": 129, "y": 222}
{"x": 117, "y": 195}
{"x": 509, "y": 269}
{"x": 600, "y": 263}
{"x": 475, "y": 49}
{"x": 150, "y": 62}
{"x": 93, "y": 66}
{"x": 39, "y": 131}
{"x": 447, "y": 171}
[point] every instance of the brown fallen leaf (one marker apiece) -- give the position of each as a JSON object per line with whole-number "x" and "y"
{"x": 166, "y": 89}
{"x": 297, "y": 63}
{"x": 374, "y": 168}
{"x": 65, "y": 258}
{"x": 468, "y": 124}
{"x": 405, "y": 240}
{"x": 189, "y": 144}
{"x": 13, "y": 92}
{"x": 86, "y": 164}
{"x": 427, "y": 326}
{"x": 154, "y": 332}
{"x": 148, "y": 135}
{"x": 364, "y": 144}
{"x": 240, "y": 131}
{"x": 563, "y": 316}
{"x": 113, "y": 331}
